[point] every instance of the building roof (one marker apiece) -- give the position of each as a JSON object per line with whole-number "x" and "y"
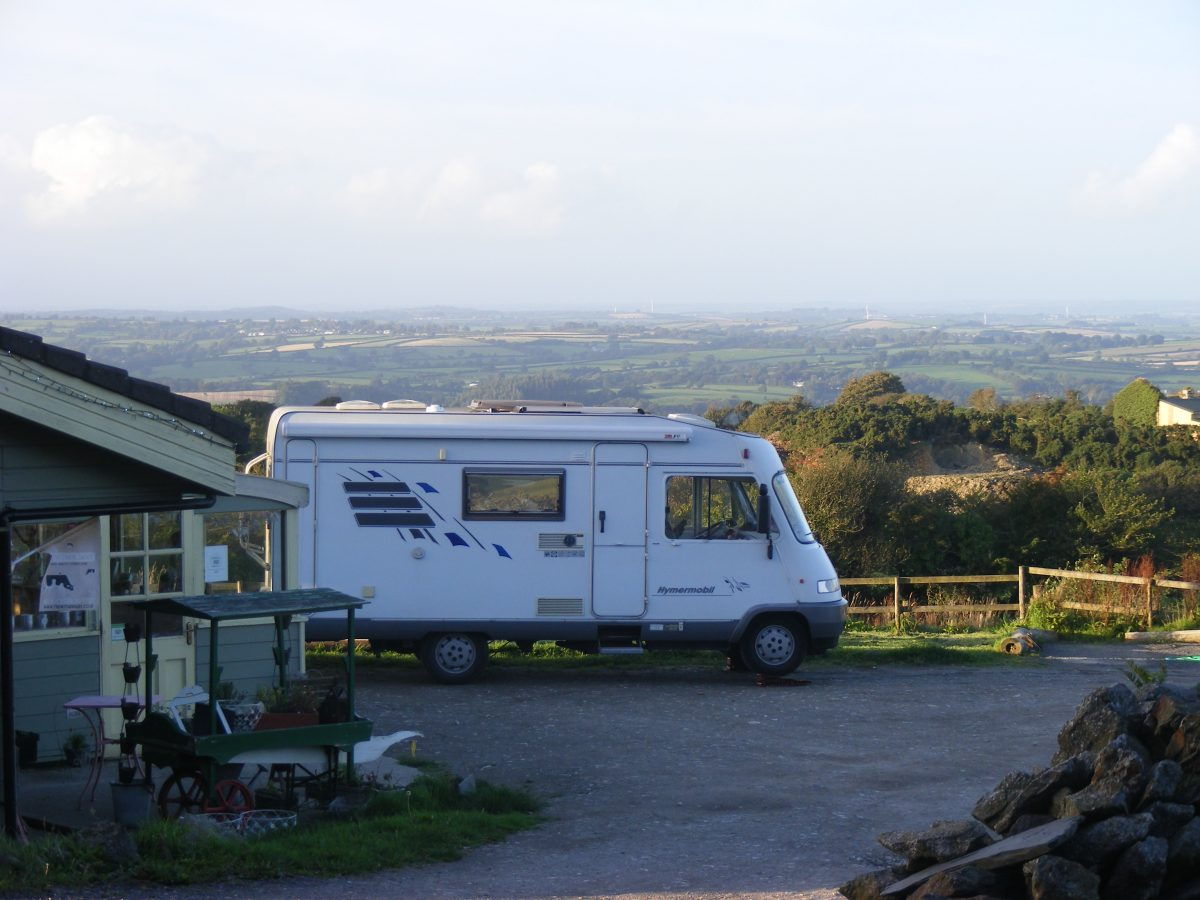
{"x": 1190, "y": 404}
{"x": 72, "y": 362}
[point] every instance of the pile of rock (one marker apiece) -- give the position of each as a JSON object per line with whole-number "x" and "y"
{"x": 1112, "y": 818}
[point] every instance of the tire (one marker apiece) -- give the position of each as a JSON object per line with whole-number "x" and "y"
{"x": 182, "y": 793}
{"x": 232, "y": 796}
{"x": 774, "y": 645}
{"x": 454, "y": 657}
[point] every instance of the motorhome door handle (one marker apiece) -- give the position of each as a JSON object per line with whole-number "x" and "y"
{"x": 602, "y": 517}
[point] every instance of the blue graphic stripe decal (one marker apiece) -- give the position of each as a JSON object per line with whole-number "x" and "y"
{"x": 371, "y": 487}
{"x": 392, "y": 520}
{"x": 455, "y": 540}
{"x": 409, "y": 502}
{"x": 417, "y": 533}
{"x": 427, "y": 488}
{"x": 501, "y": 551}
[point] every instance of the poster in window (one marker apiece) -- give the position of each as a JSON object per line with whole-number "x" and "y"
{"x": 72, "y": 579}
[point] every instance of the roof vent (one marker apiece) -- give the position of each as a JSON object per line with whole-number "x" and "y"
{"x": 357, "y": 404}
{"x": 520, "y": 406}
{"x": 416, "y": 405}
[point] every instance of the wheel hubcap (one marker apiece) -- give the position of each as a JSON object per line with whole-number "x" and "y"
{"x": 455, "y": 653}
{"x": 775, "y": 645}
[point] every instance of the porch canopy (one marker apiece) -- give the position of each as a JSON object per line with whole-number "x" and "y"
{"x": 79, "y": 439}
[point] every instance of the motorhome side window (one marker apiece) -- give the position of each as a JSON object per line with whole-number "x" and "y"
{"x": 703, "y": 508}
{"x": 512, "y": 495}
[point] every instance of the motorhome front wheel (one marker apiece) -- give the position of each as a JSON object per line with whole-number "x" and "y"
{"x": 455, "y": 657}
{"x": 774, "y": 646}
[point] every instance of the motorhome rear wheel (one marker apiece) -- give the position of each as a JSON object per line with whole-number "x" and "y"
{"x": 454, "y": 658}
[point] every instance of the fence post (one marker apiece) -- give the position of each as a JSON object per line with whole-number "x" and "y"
{"x": 1022, "y": 574}
{"x": 896, "y": 601}
{"x": 1149, "y": 604}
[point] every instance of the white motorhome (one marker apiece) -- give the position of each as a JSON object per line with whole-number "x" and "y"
{"x": 601, "y": 528}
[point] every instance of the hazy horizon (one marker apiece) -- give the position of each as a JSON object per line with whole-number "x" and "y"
{"x": 937, "y": 157}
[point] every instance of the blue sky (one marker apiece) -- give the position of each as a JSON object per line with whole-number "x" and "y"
{"x": 964, "y": 156}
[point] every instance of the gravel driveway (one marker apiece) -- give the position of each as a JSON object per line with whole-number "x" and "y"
{"x": 692, "y": 782}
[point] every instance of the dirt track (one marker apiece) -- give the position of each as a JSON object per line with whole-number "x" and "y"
{"x": 696, "y": 783}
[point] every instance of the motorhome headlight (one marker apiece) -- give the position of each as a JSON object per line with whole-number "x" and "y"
{"x": 827, "y": 585}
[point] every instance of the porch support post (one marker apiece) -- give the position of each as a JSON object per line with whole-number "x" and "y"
{"x": 7, "y": 692}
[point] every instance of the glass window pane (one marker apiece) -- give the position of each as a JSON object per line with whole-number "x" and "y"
{"x": 245, "y": 536}
{"x": 513, "y": 495}
{"x": 166, "y": 573}
{"x": 164, "y": 531}
{"x": 163, "y": 625}
{"x": 707, "y": 508}
{"x": 128, "y": 577}
{"x": 30, "y": 548}
{"x": 125, "y": 533}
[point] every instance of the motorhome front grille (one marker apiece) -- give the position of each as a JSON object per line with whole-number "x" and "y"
{"x": 560, "y": 606}
{"x": 555, "y": 541}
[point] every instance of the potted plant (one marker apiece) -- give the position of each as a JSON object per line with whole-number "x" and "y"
{"x": 74, "y": 748}
{"x": 294, "y": 706}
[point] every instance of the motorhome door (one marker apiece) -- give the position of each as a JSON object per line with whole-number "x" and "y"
{"x": 619, "y": 530}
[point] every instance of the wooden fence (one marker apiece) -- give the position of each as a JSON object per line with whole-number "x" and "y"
{"x": 1021, "y": 579}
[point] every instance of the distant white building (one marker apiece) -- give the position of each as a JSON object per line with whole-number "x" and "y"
{"x": 1179, "y": 410}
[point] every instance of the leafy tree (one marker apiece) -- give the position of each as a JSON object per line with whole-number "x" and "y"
{"x": 873, "y": 386}
{"x": 984, "y": 399}
{"x": 257, "y": 415}
{"x": 730, "y": 417}
{"x": 1118, "y": 520}
{"x": 848, "y": 500}
{"x": 1137, "y": 403}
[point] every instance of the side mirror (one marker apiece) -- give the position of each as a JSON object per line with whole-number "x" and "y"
{"x": 764, "y": 511}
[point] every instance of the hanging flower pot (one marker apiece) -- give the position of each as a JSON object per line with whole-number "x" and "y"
{"x": 133, "y": 632}
{"x": 130, "y": 709}
{"x": 131, "y": 672}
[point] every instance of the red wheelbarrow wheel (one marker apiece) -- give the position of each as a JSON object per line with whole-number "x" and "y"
{"x": 231, "y": 796}
{"x": 182, "y": 793}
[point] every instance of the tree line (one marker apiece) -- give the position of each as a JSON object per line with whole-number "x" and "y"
{"x": 1100, "y": 489}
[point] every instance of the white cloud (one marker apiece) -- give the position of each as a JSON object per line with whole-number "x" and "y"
{"x": 1168, "y": 169}
{"x": 460, "y": 196}
{"x": 100, "y": 167}
{"x": 535, "y": 205}
{"x": 454, "y": 193}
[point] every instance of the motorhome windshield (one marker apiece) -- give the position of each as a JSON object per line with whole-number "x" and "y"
{"x": 791, "y": 508}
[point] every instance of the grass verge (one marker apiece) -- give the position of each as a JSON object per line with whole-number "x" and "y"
{"x": 862, "y": 648}
{"x": 428, "y": 823}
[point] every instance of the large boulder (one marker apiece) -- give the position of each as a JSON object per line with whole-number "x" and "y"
{"x": 969, "y": 881}
{"x": 1034, "y": 795}
{"x": 1097, "y": 844}
{"x": 1162, "y": 782}
{"x": 991, "y": 805}
{"x": 1183, "y": 854}
{"x": 1051, "y": 877}
{"x": 1138, "y": 874}
{"x": 870, "y": 886}
{"x": 945, "y": 840}
{"x": 1167, "y": 819}
{"x": 1103, "y": 715}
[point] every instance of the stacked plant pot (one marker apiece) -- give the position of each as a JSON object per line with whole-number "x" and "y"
{"x": 1114, "y": 816}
